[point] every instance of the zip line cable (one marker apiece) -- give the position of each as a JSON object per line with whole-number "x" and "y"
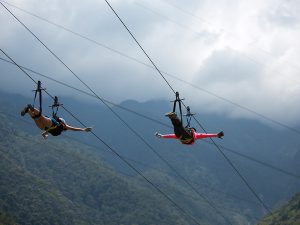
{"x": 129, "y": 159}
{"x": 167, "y": 74}
{"x": 278, "y": 169}
{"x": 140, "y": 163}
{"x": 122, "y": 120}
{"x": 237, "y": 171}
{"x": 227, "y": 100}
{"x": 228, "y": 160}
{"x": 159, "y": 122}
{"x": 233, "y": 167}
{"x": 258, "y": 161}
{"x": 223, "y": 154}
{"x": 233, "y": 196}
{"x": 140, "y": 46}
{"x": 113, "y": 150}
{"x": 167, "y": 83}
{"x": 91, "y": 95}
{"x": 252, "y": 190}
{"x": 56, "y": 148}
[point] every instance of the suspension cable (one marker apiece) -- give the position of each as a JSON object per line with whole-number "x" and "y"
{"x": 113, "y": 150}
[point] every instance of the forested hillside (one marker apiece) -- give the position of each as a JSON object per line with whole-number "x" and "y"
{"x": 74, "y": 179}
{"x": 49, "y": 183}
{"x": 289, "y": 214}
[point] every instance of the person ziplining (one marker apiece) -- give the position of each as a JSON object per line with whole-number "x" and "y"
{"x": 187, "y": 135}
{"x": 54, "y": 125}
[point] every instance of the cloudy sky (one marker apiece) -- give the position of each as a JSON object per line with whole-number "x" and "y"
{"x": 212, "y": 52}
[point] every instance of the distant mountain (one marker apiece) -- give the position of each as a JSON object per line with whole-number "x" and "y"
{"x": 81, "y": 163}
{"x": 289, "y": 214}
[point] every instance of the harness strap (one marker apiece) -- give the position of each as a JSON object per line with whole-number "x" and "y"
{"x": 56, "y": 124}
{"x": 179, "y": 104}
{"x": 38, "y": 90}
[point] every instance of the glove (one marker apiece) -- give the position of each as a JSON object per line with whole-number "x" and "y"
{"x": 157, "y": 135}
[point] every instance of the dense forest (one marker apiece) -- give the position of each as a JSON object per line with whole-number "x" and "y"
{"x": 48, "y": 183}
{"x": 289, "y": 214}
{"x": 73, "y": 179}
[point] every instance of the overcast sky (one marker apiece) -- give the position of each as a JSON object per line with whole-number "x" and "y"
{"x": 244, "y": 51}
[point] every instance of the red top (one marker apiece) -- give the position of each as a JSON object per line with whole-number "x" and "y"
{"x": 190, "y": 141}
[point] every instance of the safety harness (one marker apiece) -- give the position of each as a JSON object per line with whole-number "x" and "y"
{"x": 57, "y": 126}
{"x": 187, "y": 138}
{"x": 188, "y": 115}
{"x": 38, "y": 90}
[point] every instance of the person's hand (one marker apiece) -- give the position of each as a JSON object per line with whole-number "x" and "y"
{"x": 88, "y": 129}
{"x": 45, "y": 135}
{"x": 157, "y": 135}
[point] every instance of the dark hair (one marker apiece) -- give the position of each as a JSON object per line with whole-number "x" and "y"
{"x": 193, "y": 128}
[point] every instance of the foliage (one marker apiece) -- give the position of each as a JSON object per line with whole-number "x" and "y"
{"x": 289, "y": 214}
{"x": 63, "y": 178}
{"x": 48, "y": 183}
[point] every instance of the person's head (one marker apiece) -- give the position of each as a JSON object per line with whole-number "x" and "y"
{"x": 62, "y": 123}
{"x": 62, "y": 120}
{"x": 194, "y": 129}
{"x": 191, "y": 129}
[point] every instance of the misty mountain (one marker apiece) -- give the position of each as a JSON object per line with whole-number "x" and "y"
{"x": 52, "y": 183}
{"x": 201, "y": 164}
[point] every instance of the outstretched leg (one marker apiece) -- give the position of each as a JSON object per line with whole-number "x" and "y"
{"x": 40, "y": 120}
{"x": 178, "y": 128}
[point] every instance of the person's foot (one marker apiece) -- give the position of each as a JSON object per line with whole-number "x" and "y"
{"x": 170, "y": 114}
{"x": 25, "y": 110}
{"x": 221, "y": 134}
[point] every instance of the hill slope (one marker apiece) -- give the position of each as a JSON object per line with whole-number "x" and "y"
{"x": 289, "y": 214}
{"x": 83, "y": 175}
{"x": 49, "y": 183}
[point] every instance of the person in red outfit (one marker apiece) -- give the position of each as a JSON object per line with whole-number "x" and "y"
{"x": 186, "y": 136}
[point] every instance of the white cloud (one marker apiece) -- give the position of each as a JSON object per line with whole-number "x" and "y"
{"x": 245, "y": 51}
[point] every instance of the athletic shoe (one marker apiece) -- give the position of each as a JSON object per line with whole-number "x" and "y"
{"x": 25, "y": 110}
{"x": 170, "y": 114}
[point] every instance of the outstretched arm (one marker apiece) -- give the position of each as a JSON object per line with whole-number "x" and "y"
{"x": 204, "y": 135}
{"x": 165, "y": 135}
{"x": 68, "y": 127}
{"x": 45, "y": 134}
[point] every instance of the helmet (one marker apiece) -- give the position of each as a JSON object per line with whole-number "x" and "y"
{"x": 62, "y": 120}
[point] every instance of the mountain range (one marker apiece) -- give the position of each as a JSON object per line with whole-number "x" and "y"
{"x": 76, "y": 179}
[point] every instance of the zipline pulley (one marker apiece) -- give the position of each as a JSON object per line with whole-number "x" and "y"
{"x": 188, "y": 116}
{"x": 55, "y": 106}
